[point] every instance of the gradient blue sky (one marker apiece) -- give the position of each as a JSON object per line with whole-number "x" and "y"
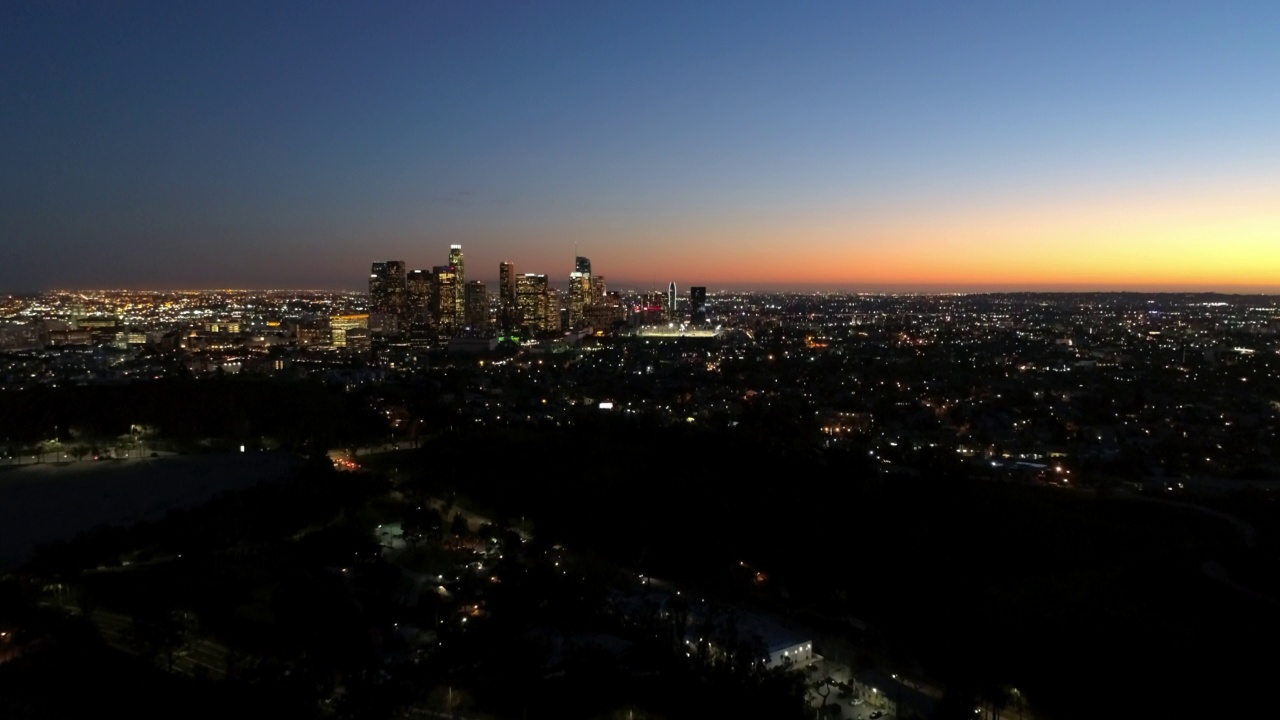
{"x": 857, "y": 144}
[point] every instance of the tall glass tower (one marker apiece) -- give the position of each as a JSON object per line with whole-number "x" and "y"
{"x": 507, "y": 295}
{"x": 460, "y": 277}
{"x": 387, "y": 286}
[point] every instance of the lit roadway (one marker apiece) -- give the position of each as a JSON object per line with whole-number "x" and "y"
{"x": 187, "y": 657}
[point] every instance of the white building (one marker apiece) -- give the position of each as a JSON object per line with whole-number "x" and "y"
{"x": 797, "y": 654}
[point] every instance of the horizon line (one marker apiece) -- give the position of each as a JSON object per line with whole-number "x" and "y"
{"x": 782, "y": 288}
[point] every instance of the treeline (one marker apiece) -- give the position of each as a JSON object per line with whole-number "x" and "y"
{"x": 290, "y": 413}
{"x": 251, "y": 571}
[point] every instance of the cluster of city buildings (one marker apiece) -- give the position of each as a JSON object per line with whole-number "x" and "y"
{"x": 407, "y": 314}
{"x": 441, "y": 303}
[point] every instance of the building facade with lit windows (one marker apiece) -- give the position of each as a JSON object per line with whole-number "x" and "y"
{"x": 340, "y": 324}
{"x": 445, "y": 299}
{"x": 507, "y": 312}
{"x": 477, "y": 303}
{"x": 531, "y": 301}
{"x": 460, "y": 278}
{"x": 579, "y": 298}
{"x": 418, "y": 291}
{"x": 597, "y": 289}
{"x": 387, "y": 288}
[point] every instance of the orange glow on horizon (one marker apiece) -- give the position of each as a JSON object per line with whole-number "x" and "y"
{"x": 1228, "y": 241}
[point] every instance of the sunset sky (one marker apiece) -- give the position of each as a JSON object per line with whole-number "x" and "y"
{"x": 841, "y": 144}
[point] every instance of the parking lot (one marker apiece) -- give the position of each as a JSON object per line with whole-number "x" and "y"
{"x": 865, "y": 695}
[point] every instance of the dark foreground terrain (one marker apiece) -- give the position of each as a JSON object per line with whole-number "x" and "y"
{"x": 1088, "y": 601}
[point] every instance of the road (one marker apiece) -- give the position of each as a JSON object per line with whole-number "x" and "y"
{"x": 1215, "y": 571}
{"x": 1212, "y": 568}
{"x": 196, "y": 656}
{"x": 188, "y": 658}
{"x": 1248, "y": 533}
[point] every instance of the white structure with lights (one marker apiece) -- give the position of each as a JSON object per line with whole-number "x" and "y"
{"x": 796, "y": 654}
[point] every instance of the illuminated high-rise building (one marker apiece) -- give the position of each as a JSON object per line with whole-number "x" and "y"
{"x": 460, "y": 277}
{"x": 387, "y": 287}
{"x": 444, "y": 300}
{"x": 455, "y": 260}
{"x": 579, "y": 294}
{"x": 377, "y": 283}
{"x": 579, "y": 299}
{"x": 597, "y": 289}
{"x": 671, "y": 302}
{"x": 531, "y": 301}
{"x": 477, "y": 302}
{"x": 507, "y": 310}
{"x": 418, "y": 291}
{"x": 555, "y": 318}
{"x": 698, "y": 305}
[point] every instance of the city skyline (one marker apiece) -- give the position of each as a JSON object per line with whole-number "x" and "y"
{"x": 564, "y": 280}
{"x": 838, "y": 147}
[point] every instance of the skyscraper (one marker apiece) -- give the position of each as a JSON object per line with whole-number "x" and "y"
{"x": 507, "y": 296}
{"x": 455, "y": 259}
{"x": 553, "y": 320}
{"x": 418, "y": 286}
{"x": 477, "y": 301}
{"x": 532, "y": 301}
{"x": 579, "y": 291}
{"x": 460, "y": 277}
{"x": 579, "y": 298}
{"x": 387, "y": 287}
{"x": 445, "y": 299}
{"x": 698, "y": 305}
{"x": 671, "y": 302}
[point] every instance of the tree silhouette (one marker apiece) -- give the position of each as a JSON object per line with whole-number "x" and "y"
{"x": 459, "y": 525}
{"x": 154, "y": 633}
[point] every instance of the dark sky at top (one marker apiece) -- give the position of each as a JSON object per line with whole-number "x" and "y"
{"x": 732, "y": 144}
